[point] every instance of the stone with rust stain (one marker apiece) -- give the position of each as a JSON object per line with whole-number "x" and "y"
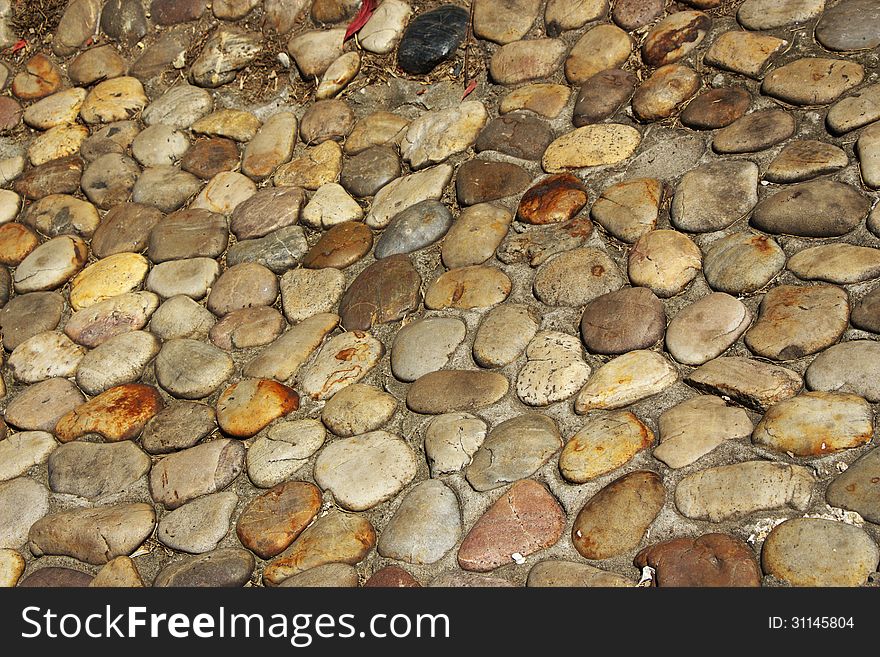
{"x": 607, "y": 441}
{"x": 248, "y": 406}
{"x": 615, "y": 520}
{"x": 450, "y": 390}
{"x": 525, "y": 520}
{"x": 61, "y": 176}
{"x": 94, "y": 535}
{"x": 272, "y": 521}
{"x": 40, "y": 78}
{"x": 665, "y": 92}
{"x": 708, "y": 560}
{"x": 555, "y": 199}
{"x": 340, "y": 247}
{"x": 665, "y": 261}
{"x": 816, "y": 423}
{"x": 344, "y": 359}
{"x": 742, "y": 262}
{"x": 334, "y": 538}
{"x": 95, "y": 325}
{"x": 383, "y": 292}
{"x": 674, "y": 37}
{"x": 477, "y": 286}
{"x": 119, "y": 413}
{"x": 200, "y": 470}
{"x": 797, "y": 321}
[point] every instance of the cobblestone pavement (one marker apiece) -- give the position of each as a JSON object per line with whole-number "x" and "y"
{"x": 502, "y": 293}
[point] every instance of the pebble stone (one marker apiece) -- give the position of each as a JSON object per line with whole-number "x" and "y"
{"x": 856, "y": 488}
{"x": 626, "y": 379}
{"x": 624, "y": 320}
{"x": 40, "y": 406}
{"x": 191, "y": 369}
{"x": 805, "y": 159}
{"x": 21, "y": 451}
{"x": 121, "y": 359}
{"x": 706, "y": 328}
{"x": 358, "y": 409}
{"x": 94, "y": 471}
{"x": 224, "y": 567}
{"x": 449, "y": 390}
{"x": 554, "y": 369}
{"x": 812, "y": 80}
{"x": 703, "y": 204}
{"x": 753, "y": 132}
{"x": 283, "y": 450}
{"x": 475, "y": 235}
{"x": 665, "y": 261}
{"x": 198, "y": 526}
{"x": 424, "y": 346}
{"x": 451, "y": 440}
{"x": 425, "y": 526}
{"x": 190, "y": 473}
{"x": 246, "y": 407}
{"x": 845, "y": 367}
{"x": 604, "y": 443}
{"x": 707, "y": 561}
{"x": 272, "y": 521}
{"x": 25, "y": 502}
{"x": 504, "y": 334}
{"x": 742, "y": 262}
{"x": 754, "y": 384}
{"x": 576, "y": 277}
{"x": 557, "y": 573}
{"x": 177, "y": 426}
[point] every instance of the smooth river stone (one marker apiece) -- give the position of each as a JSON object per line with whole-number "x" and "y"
{"x": 477, "y": 286}
{"x": 868, "y": 150}
{"x": 847, "y": 367}
{"x": 376, "y": 129}
{"x": 26, "y": 315}
{"x": 602, "y": 95}
{"x": 664, "y": 93}
{"x": 62, "y": 176}
{"x": 514, "y": 450}
{"x": 431, "y": 38}
{"x": 392, "y": 577}
{"x": 504, "y": 334}
{"x": 279, "y": 251}
{"x": 798, "y": 321}
{"x": 282, "y": 359}
{"x": 564, "y": 15}
{"x": 518, "y": 134}
{"x": 818, "y": 552}
{"x": 716, "y": 108}
{"x": 272, "y": 521}
{"x": 606, "y": 442}
{"x": 856, "y": 489}
{"x": 200, "y": 470}
{"x": 547, "y": 100}
{"x": 816, "y": 423}
{"x": 706, "y": 328}
{"x": 614, "y": 521}
{"x": 333, "y": 538}
{"x": 850, "y": 25}
{"x": 383, "y": 292}
{"x": 754, "y": 132}
{"x": 404, "y": 192}
{"x": 12, "y": 565}
{"x": 601, "y": 47}
{"x": 475, "y": 235}
{"x": 179, "y": 107}
{"x": 120, "y": 314}
{"x": 358, "y": 409}
{"x": 117, "y": 414}
{"x": 16, "y": 241}
{"x": 738, "y": 490}
{"x": 283, "y": 450}
{"x": 451, "y": 440}
{"x": 569, "y": 574}
{"x": 435, "y": 136}
{"x": 94, "y": 471}
{"x": 247, "y": 407}
{"x": 192, "y": 369}
{"x": 125, "y": 228}
{"x": 165, "y": 187}
{"x": 526, "y": 60}
{"x": 224, "y": 567}
{"x": 425, "y": 346}
{"x": 805, "y": 159}
{"x": 370, "y": 170}
{"x": 576, "y": 277}
{"x": 385, "y": 27}
{"x": 693, "y": 428}
{"x": 51, "y": 264}
{"x": 271, "y": 147}
{"x": 836, "y": 263}
{"x": 742, "y": 262}
{"x": 122, "y": 359}
{"x": 59, "y": 214}
{"x": 665, "y": 261}
{"x": 710, "y": 560}
{"x": 743, "y": 52}
{"x": 94, "y": 535}
{"x": 188, "y": 234}
{"x": 754, "y": 384}
{"x": 109, "y": 277}
{"x": 503, "y": 22}
{"x": 479, "y": 181}
{"x": 177, "y": 426}
{"x": 453, "y": 390}
{"x": 865, "y": 314}
{"x": 425, "y": 526}
{"x": 340, "y": 247}
{"x": 854, "y": 111}
{"x": 590, "y": 146}
{"x": 418, "y": 226}
{"x": 713, "y": 196}
{"x": 624, "y": 320}
{"x": 675, "y": 37}
{"x": 56, "y": 577}
{"x": 629, "y": 209}
{"x": 625, "y": 380}
{"x": 554, "y": 369}
{"x": 39, "y": 407}
{"x": 522, "y": 522}
{"x": 812, "y": 80}
{"x": 198, "y": 526}
{"x": 770, "y": 14}
{"x": 44, "y": 356}
{"x": 24, "y": 502}
{"x": 345, "y": 359}
{"x": 21, "y": 451}
{"x": 192, "y": 277}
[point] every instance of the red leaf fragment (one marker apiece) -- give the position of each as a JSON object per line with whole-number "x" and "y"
{"x": 470, "y": 88}
{"x": 18, "y": 45}
{"x": 363, "y": 15}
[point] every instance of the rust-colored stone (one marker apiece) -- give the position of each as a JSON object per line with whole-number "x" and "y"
{"x": 392, "y": 577}
{"x": 248, "y": 406}
{"x": 674, "y": 37}
{"x": 525, "y": 520}
{"x": 16, "y": 242}
{"x": 208, "y": 157}
{"x": 119, "y": 413}
{"x": 553, "y": 200}
{"x": 272, "y": 521}
{"x": 341, "y": 246}
{"x": 708, "y": 560}
{"x": 40, "y": 78}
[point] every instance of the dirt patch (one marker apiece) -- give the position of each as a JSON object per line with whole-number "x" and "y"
{"x": 35, "y": 20}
